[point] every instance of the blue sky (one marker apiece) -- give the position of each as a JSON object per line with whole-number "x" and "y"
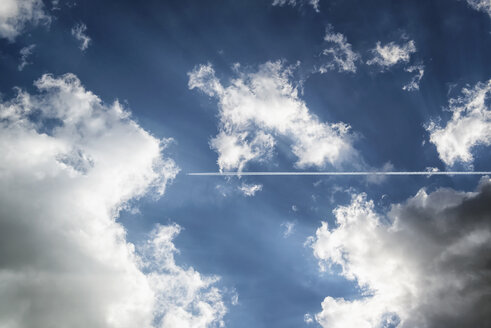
{"x": 276, "y": 77}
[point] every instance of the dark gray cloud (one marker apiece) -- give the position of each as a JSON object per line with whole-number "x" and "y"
{"x": 429, "y": 266}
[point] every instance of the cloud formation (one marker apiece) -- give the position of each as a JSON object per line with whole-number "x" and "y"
{"x": 15, "y": 14}
{"x": 78, "y": 31}
{"x": 340, "y": 55}
{"x": 414, "y": 83}
{"x": 288, "y": 228}
{"x": 481, "y": 5}
{"x": 469, "y": 126}
{"x": 391, "y": 54}
{"x": 70, "y": 164}
{"x": 25, "y": 53}
{"x": 184, "y": 297}
{"x": 259, "y": 107}
{"x": 250, "y": 189}
{"x": 293, "y": 3}
{"x": 424, "y": 264}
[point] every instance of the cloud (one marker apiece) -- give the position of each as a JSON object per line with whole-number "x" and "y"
{"x": 293, "y": 3}
{"x": 15, "y": 14}
{"x": 424, "y": 264}
{"x": 469, "y": 126}
{"x": 70, "y": 163}
{"x": 391, "y": 54}
{"x": 414, "y": 83}
{"x": 481, "y": 5}
{"x": 340, "y": 54}
{"x": 259, "y": 107}
{"x": 78, "y": 31}
{"x": 288, "y": 228}
{"x": 185, "y": 298}
{"x": 308, "y": 319}
{"x": 25, "y": 53}
{"x": 250, "y": 189}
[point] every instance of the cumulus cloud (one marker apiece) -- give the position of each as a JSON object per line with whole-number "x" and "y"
{"x": 391, "y": 54}
{"x": 469, "y": 126}
{"x": 481, "y": 5}
{"x": 78, "y": 31}
{"x": 340, "y": 55}
{"x": 414, "y": 83}
{"x": 15, "y": 14}
{"x": 293, "y": 3}
{"x": 250, "y": 189}
{"x": 25, "y": 53}
{"x": 424, "y": 264}
{"x": 69, "y": 164}
{"x": 259, "y": 107}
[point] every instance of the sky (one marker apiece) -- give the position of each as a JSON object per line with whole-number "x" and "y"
{"x": 107, "y": 106}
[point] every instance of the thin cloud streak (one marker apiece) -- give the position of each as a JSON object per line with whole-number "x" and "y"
{"x": 343, "y": 173}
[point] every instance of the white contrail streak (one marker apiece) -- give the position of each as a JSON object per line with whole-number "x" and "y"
{"x": 343, "y": 173}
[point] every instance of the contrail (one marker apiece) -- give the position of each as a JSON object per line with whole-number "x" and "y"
{"x": 343, "y": 173}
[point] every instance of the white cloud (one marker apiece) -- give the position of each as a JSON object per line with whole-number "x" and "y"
{"x": 25, "y": 53}
{"x": 185, "y": 298}
{"x": 481, "y": 5}
{"x": 414, "y": 83}
{"x": 55, "y": 4}
{"x": 234, "y": 299}
{"x": 293, "y": 3}
{"x": 78, "y": 31}
{"x": 391, "y": 54}
{"x": 288, "y": 227}
{"x": 235, "y": 149}
{"x": 340, "y": 54}
{"x": 15, "y": 14}
{"x": 424, "y": 264}
{"x": 469, "y": 126}
{"x": 307, "y": 318}
{"x": 69, "y": 164}
{"x": 259, "y": 107}
{"x": 250, "y": 189}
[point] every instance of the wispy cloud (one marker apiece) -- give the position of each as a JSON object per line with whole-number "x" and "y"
{"x": 414, "y": 83}
{"x": 78, "y": 31}
{"x": 25, "y": 53}
{"x": 313, "y": 3}
{"x": 340, "y": 55}
{"x": 391, "y": 54}
{"x": 481, "y": 5}
{"x": 288, "y": 228}
{"x": 250, "y": 189}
